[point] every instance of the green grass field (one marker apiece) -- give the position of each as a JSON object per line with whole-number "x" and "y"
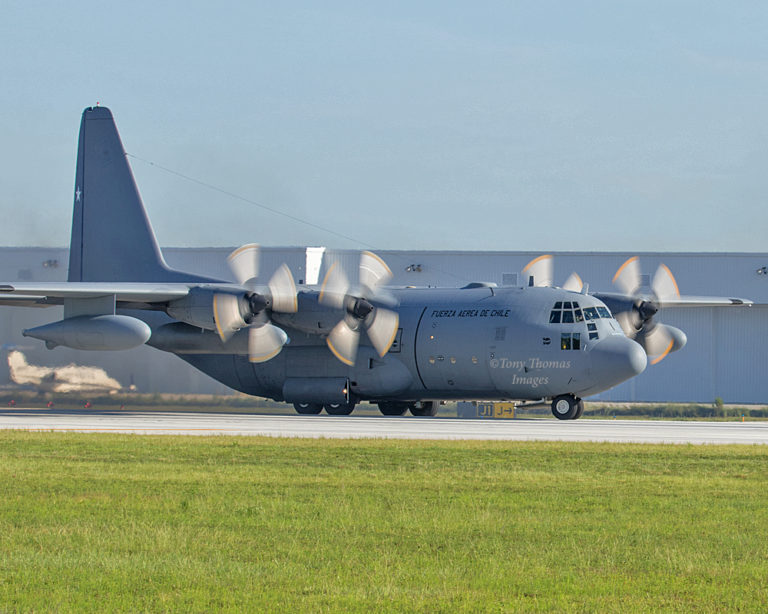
{"x": 95, "y": 523}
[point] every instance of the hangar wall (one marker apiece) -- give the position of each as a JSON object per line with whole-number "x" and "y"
{"x": 725, "y": 357}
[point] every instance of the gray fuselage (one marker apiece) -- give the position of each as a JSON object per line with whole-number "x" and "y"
{"x": 473, "y": 343}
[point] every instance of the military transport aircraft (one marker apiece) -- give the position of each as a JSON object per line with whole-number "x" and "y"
{"x": 334, "y": 345}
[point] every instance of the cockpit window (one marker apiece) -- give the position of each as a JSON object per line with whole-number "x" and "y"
{"x": 604, "y": 313}
{"x": 591, "y": 313}
{"x": 568, "y": 312}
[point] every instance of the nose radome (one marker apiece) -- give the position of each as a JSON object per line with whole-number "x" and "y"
{"x": 616, "y": 359}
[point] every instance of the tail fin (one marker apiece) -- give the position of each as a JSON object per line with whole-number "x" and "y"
{"x": 112, "y": 239}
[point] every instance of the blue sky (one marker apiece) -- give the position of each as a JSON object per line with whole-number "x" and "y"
{"x": 631, "y": 126}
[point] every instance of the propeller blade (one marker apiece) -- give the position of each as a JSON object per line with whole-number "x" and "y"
{"x": 628, "y": 322}
{"x": 664, "y": 285}
{"x": 244, "y": 263}
{"x": 343, "y": 341}
{"x": 657, "y": 342}
{"x": 283, "y": 291}
{"x": 541, "y": 269}
{"x": 374, "y": 272}
{"x": 573, "y": 283}
{"x": 383, "y": 329}
{"x": 226, "y": 315}
{"x": 265, "y": 342}
{"x": 627, "y": 277}
{"x": 334, "y": 288}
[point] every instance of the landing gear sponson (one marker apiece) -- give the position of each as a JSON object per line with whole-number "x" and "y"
{"x": 567, "y": 407}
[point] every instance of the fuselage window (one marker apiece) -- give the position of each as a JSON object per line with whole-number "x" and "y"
{"x": 567, "y": 316}
{"x": 591, "y": 313}
{"x": 577, "y": 313}
{"x": 554, "y": 317}
{"x": 604, "y": 313}
{"x": 570, "y": 341}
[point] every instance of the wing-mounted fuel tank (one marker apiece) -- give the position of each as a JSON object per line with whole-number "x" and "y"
{"x": 100, "y": 332}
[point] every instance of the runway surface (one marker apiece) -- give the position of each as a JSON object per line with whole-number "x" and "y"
{"x": 179, "y": 423}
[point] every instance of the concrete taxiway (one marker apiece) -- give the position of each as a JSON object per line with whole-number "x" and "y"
{"x": 180, "y": 423}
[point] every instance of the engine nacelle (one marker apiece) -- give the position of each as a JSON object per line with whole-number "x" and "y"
{"x": 181, "y": 338}
{"x": 104, "y": 332}
{"x": 196, "y": 308}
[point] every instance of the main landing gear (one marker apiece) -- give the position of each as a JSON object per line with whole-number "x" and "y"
{"x": 339, "y": 409}
{"x": 418, "y": 408}
{"x": 388, "y": 408}
{"x": 332, "y": 409}
{"x": 311, "y": 409}
{"x": 567, "y": 407}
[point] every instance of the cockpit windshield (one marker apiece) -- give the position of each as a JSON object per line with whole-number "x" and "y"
{"x": 568, "y": 312}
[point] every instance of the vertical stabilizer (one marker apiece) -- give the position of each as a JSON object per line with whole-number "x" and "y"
{"x": 112, "y": 239}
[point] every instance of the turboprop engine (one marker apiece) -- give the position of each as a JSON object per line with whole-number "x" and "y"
{"x": 227, "y": 309}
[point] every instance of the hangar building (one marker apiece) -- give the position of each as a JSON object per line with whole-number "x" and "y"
{"x": 726, "y": 355}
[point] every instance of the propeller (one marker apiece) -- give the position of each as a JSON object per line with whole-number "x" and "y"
{"x": 365, "y": 307}
{"x": 250, "y": 307}
{"x": 541, "y": 269}
{"x": 637, "y": 322}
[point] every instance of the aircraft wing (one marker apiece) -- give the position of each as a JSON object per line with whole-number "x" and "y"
{"x": 54, "y": 293}
{"x": 705, "y": 301}
{"x": 684, "y": 301}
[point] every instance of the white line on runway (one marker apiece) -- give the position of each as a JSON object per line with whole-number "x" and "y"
{"x": 172, "y": 423}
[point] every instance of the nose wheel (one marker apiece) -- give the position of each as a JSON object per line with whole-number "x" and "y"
{"x": 567, "y": 407}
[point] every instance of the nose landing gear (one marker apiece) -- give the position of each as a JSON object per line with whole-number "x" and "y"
{"x": 567, "y": 407}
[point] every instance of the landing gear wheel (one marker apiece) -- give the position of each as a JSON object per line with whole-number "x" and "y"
{"x": 308, "y": 408}
{"x": 393, "y": 408}
{"x": 579, "y": 410}
{"x": 339, "y": 409}
{"x": 565, "y": 407}
{"x": 424, "y": 408}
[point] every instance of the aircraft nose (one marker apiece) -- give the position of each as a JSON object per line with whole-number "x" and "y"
{"x": 616, "y": 359}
